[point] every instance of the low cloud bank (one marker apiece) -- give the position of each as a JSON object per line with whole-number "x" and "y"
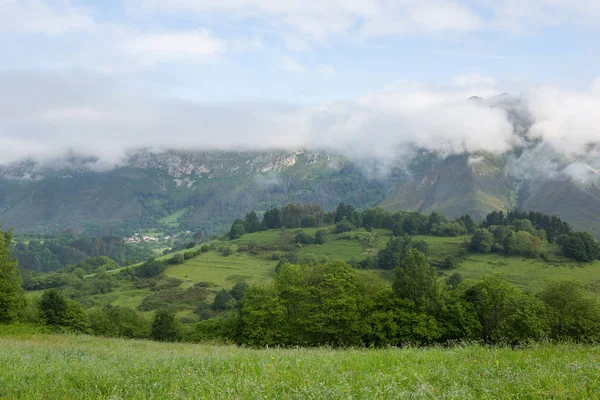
{"x": 44, "y": 116}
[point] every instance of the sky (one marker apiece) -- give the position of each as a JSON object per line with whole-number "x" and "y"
{"x": 364, "y": 76}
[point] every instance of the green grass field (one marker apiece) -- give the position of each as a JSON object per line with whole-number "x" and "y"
{"x": 530, "y": 274}
{"x": 223, "y": 272}
{"x": 41, "y": 366}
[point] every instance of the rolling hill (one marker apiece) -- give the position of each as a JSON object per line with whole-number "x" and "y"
{"x": 190, "y": 287}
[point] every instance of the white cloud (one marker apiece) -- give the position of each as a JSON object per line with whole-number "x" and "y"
{"x": 98, "y": 115}
{"x": 569, "y": 121}
{"x": 36, "y": 16}
{"x": 48, "y": 114}
{"x": 288, "y": 64}
{"x": 174, "y": 46}
{"x": 317, "y": 20}
{"x": 424, "y": 17}
{"x": 326, "y": 69}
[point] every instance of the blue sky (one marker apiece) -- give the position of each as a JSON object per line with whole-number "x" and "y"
{"x": 68, "y": 62}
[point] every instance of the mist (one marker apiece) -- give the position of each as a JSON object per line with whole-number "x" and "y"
{"x": 45, "y": 116}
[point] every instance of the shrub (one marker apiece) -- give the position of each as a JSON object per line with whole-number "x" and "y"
{"x": 177, "y": 259}
{"x": 320, "y": 236}
{"x": 344, "y": 226}
{"x": 165, "y": 327}
{"x": 303, "y": 238}
{"x": 226, "y": 251}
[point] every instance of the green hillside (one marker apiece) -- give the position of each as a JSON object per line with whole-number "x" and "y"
{"x": 458, "y": 185}
{"x": 255, "y": 256}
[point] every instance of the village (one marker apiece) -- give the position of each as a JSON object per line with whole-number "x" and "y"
{"x": 138, "y": 238}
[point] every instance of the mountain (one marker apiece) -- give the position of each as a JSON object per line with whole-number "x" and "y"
{"x": 458, "y": 185}
{"x": 175, "y": 190}
{"x": 479, "y": 184}
{"x": 205, "y": 191}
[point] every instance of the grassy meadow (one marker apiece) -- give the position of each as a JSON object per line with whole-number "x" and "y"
{"x": 222, "y": 272}
{"x": 43, "y": 366}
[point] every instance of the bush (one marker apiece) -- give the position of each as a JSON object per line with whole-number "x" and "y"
{"x": 205, "y": 248}
{"x": 344, "y": 226}
{"x": 150, "y": 269}
{"x": 214, "y": 329}
{"x": 165, "y": 327}
{"x": 451, "y": 262}
{"x": 238, "y": 229}
{"x": 303, "y": 238}
{"x": 223, "y": 301}
{"x": 189, "y": 254}
{"x": 226, "y": 251}
{"x": 57, "y": 311}
{"x": 320, "y": 236}
{"x": 177, "y": 259}
{"x": 119, "y": 322}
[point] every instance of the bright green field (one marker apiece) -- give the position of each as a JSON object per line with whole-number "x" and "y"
{"x": 223, "y": 271}
{"x": 43, "y": 366}
{"x": 530, "y": 274}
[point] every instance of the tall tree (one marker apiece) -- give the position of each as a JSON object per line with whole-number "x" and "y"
{"x": 417, "y": 281}
{"x": 11, "y": 293}
{"x": 252, "y": 223}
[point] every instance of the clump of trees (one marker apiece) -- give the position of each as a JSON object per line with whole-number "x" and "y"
{"x": 330, "y": 304}
{"x": 519, "y": 233}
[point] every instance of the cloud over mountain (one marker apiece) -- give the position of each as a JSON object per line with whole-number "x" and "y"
{"x": 46, "y": 115}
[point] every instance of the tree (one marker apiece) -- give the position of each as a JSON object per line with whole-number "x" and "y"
{"x": 165, "y": 327}
{"x": 238, "y": 229}
{"x": 394, "y": 252}
{"x": 58, "y": 311}
{"x": 417, "y": 281}
{"x": 344, "y": 211}
{"x": 506, "y": 314}
{"x": 435, "y": 222}
{"x": 11, "y": 293}
{"x": 320, "y": 236}
{"x": 482, "y": 241}
{"x": 263, "y": 318}
{"x": 272, "y": 219}
{"x": 52, "y": 306}
{"x": 308, "y": 221}
{"x": 572, "y": 315}
{"x": 223, "y": 301}
{"x": 252, "y": 223}
{"x": 580, "y": 246}
{"x": 414, "y": 224}
{"x": 239, "y": 290}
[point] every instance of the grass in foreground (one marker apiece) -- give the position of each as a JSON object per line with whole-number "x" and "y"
{"x": 77, "y": 367}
